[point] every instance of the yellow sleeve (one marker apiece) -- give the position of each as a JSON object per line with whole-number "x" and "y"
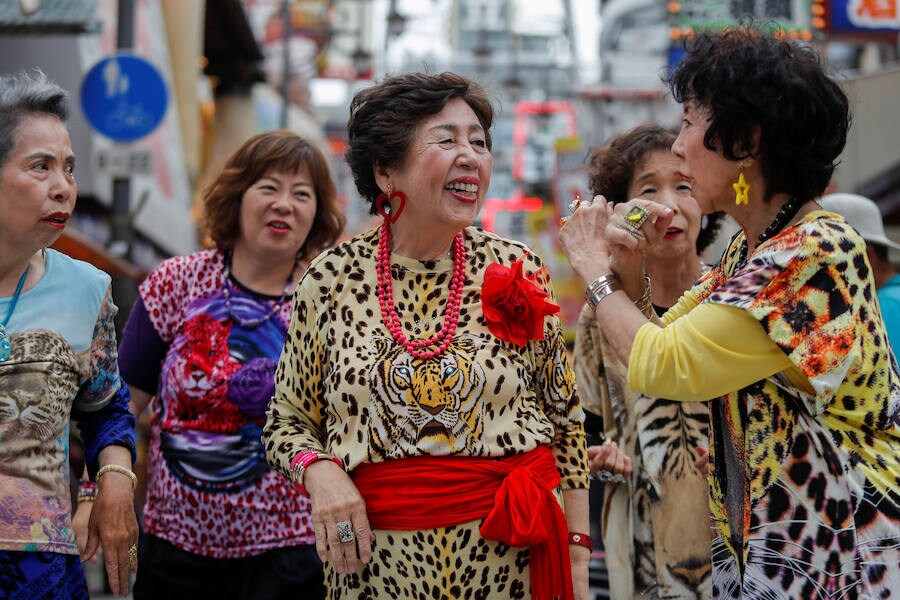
{"x": 713, "y": 350}
{"x": 685, "y": 304}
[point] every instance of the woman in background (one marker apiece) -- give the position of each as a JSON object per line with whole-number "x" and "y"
{"x": 202, "y": 341}
{"x": 655, "y": 522}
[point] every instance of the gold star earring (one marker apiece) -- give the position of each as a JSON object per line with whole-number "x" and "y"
{"x": 741, "y": 188}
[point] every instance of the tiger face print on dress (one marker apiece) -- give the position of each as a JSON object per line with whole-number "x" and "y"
{"x": 421, "y": 406}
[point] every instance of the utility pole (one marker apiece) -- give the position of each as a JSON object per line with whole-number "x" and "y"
{"x": 121, "y": 230}
{"x": 286, "y": 26}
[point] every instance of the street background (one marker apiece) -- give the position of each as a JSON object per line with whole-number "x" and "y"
{"x": 566, "y": 75}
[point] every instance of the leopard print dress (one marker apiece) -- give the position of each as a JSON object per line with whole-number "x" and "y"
{"x": 804, "y": 483}
{"x": 344, "y": 386}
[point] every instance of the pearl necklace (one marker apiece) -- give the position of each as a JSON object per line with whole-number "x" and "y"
{"x": 440, "y": 341}
{"x": 251, "y": 323}
{"x": 5, "y": 343}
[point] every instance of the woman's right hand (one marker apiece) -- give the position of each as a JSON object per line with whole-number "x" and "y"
{"x": 702, "y": 461}
{"x": 334, "y": 499}
{"x": 608, "y": 457}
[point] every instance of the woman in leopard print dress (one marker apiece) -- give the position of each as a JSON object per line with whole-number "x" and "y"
{"x": 424, "y": 398}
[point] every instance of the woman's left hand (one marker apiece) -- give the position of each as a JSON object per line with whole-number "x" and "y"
{"x": 608, "y": 457}
{"x": 113, "y": 526}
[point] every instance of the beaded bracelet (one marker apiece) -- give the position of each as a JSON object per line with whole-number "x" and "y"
{"x": 118, "y": 469}
{"x": 87, "y": 491}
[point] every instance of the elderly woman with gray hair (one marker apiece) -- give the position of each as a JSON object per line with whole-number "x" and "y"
{"x": 57, "y": 362}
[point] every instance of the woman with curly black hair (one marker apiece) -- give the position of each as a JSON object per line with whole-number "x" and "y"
{"x": 783, "y": 337}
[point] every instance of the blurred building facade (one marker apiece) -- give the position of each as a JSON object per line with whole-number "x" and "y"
{"x": 566, "y": 75}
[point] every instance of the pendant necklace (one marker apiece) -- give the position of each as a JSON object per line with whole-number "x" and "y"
{"x": 5, "y": 343}
{"x": 251, "y": 323}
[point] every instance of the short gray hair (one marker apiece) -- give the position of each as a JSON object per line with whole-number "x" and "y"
{"x": 25, "y": 94}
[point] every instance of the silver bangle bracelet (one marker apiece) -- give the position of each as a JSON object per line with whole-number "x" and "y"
{"x": 600, "y": 288}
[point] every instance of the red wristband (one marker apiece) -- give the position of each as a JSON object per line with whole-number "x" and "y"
{"x": 581, "y": 539}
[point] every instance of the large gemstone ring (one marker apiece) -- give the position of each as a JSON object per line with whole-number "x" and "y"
{"x": 636, "y": 216}
{"x": 345, "y": 531}
{"x": 604, "y": 475}
{"x": 633, "y": 231}
{"x": 573, "y": 205}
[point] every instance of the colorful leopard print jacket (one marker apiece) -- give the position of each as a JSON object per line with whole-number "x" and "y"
{"x": 813, "y": 508}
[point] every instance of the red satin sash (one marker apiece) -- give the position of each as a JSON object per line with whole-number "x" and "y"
{"x": 514, "y": 495}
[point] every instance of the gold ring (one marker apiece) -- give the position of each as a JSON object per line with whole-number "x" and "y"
{"x": 132, "y": 557}
{"x": 574, "y": 204}
{"x": 636, "y": 216}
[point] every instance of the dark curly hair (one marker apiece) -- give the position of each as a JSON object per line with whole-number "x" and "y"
{"x": 384, "y": 118}
{"x": 752, "y": 81}
{"x": 611, "y": 169}
{"x": 280, "y": 151}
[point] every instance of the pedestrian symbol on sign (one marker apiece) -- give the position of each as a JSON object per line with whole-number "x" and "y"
{"x": 124, "y": 97}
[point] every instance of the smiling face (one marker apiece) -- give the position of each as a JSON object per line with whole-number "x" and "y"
{"x": 277, "y": 212}
{"x": 658, "y": 177}
{"x": 446, "y": 172}
{"x": 37, "y": 186}
{"x": 712, "y": 174}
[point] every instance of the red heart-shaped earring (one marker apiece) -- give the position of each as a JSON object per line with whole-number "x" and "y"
{"x": 392, "y": 211}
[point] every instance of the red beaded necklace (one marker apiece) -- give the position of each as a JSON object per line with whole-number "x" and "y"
{"x": 385, "y": 293}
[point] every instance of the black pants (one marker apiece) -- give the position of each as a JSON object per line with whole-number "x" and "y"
{"x": 169, "y": 573}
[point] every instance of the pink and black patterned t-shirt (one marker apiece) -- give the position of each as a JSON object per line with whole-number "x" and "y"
{"x": 210, "y": 490}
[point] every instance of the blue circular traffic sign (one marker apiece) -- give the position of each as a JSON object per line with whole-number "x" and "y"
{"x": 124, "y": 97}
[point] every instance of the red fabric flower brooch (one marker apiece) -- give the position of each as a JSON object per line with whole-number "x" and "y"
{"x": 513, "y": 304}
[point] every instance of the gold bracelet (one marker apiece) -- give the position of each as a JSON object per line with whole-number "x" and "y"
{"x": 645, "y": 303}
{"x": 118, "y": 469}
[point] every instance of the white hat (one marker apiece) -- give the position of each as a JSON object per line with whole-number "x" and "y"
{"x": 862, "y": 214}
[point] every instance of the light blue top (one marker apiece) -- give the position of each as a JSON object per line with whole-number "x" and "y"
{"x": 67, "y": 300}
